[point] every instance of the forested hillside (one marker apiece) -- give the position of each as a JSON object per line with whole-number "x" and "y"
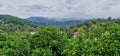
{"x": 10, "y": 24}
{"x": 14, "y": 20}
{"x": 96, "y": 37}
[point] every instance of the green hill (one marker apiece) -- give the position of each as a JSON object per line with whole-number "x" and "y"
{"x": 10, "y": 23}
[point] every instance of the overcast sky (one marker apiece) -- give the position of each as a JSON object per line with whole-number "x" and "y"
{"x": 61, "y": 8}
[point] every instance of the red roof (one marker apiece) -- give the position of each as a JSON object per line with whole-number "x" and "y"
{"x": 76, "y": 33}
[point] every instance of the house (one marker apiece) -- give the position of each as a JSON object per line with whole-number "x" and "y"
{"x": 103, "y": 23}
{"x": 94, "y": 26}
{"x": 95, "y": 39}
{"x": 75, "y": 35}
{"x": 32, "y": 33}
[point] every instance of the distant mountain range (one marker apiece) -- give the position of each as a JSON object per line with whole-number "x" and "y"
{"x": 54, "y": 22}
{"x": 38, "y": 21}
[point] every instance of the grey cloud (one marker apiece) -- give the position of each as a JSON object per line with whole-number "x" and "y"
{"x": 5, "y": 5}
{"x": 61, "y": 8}
{"x": 1, "y": 5}
{"x": 36, "y": 8}
{"x": 68, "y": 1}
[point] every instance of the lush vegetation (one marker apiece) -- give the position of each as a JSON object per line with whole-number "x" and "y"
{"x": 97, "y": 37}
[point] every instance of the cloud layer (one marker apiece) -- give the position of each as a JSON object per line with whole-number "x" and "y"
{"x": 61, "y": 8}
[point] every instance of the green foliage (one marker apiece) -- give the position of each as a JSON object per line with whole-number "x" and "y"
{"x": 14, "y": 20}
{"x": 49, "y": 38}
{"x": 97, "y": 37}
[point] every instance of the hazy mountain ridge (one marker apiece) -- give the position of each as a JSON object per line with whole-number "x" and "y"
{"x": 38, "y": 21}
{"x": 54, "y": 22}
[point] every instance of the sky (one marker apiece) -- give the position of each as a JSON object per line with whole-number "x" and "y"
{"x": 82, "y": 9}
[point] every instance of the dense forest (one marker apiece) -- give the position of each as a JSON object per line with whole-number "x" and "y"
{"x": 95, "y": 37}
